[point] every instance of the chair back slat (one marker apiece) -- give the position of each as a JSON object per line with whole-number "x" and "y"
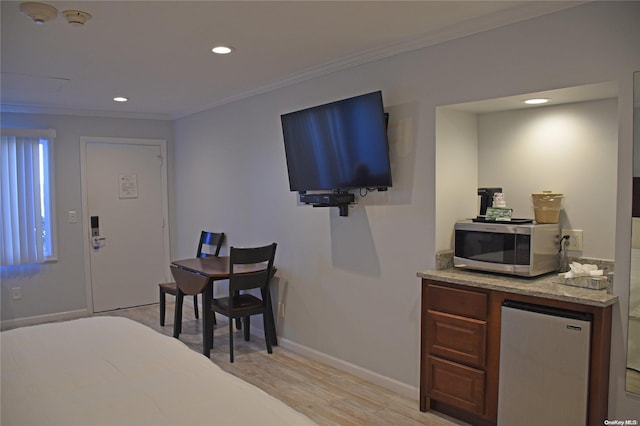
{"x": 212, "y": 239}
{"x": 244, "y": 256}
{"x": 189, "y": 282}
{"x": 249, "y": 281}
{"x": 252, "y": 254}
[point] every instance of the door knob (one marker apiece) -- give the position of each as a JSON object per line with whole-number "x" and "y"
{"x": 97, "y": 242}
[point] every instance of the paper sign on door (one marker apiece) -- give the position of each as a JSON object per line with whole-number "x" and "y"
{"x": 128, "y": 185}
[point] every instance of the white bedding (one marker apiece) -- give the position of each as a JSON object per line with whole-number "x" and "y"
{"x": 114, "y": 371}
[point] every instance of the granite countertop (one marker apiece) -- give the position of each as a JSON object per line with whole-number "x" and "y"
{"x": 547, "y": 286}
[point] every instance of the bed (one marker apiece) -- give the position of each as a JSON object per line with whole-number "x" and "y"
{"x": 115, "y": 371}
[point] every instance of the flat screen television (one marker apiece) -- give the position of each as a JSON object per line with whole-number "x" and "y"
{"x": 338, "y": 146}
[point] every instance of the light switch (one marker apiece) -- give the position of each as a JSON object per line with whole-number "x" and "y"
{"x": 72, "y": 216}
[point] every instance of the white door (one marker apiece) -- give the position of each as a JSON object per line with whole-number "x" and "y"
{"x": 124, "y": 194}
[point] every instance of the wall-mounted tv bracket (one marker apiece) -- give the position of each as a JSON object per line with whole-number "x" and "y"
{"x": 338, "y": 199}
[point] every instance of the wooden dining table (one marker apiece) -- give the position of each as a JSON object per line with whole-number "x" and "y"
{"x": 216, "y": 268}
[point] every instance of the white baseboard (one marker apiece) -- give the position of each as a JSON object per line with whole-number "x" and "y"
{"x": 40, "y": 319}
{"x": 362, "y": 373}
{"x": 371, "y": 376}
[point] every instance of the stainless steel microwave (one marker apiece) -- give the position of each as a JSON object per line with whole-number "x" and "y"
{"x": 516, "y": 249}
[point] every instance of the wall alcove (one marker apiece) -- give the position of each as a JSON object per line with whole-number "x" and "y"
{"x": 568, "y": 145}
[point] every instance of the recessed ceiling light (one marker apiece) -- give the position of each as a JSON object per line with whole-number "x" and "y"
{"x": 120, "y": 99}
{"x": 222, "y": 50}
{"x": 536, "y": 101}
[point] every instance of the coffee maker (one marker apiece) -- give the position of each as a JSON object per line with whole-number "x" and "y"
{"x": 486, "y": 199}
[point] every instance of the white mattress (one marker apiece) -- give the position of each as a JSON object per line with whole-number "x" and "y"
{"x": 114, "y": 371}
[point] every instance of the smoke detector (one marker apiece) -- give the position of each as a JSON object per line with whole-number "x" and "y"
{"x": 39, "y": 12}
{"x": 77, "y": 18}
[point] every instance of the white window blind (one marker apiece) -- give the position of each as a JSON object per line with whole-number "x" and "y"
{"x": 26, "y": 229}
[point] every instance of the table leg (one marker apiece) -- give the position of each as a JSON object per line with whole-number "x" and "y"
{"x": 207, "y": 320}
{"x": 177, "y": 316}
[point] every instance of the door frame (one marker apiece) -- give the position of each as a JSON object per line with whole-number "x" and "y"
{"x": 86, "y": 231}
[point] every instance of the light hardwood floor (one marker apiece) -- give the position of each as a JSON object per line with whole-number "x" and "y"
{"x": 325, "y": 394}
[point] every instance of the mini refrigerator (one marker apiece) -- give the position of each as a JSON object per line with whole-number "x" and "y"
{"x": 544, "y": 365}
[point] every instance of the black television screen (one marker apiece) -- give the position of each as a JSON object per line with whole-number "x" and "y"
{"x": 338, "y": 146}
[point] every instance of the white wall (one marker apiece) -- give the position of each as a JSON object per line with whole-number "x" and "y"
{"x": 349, "y": 283}
{"x": 622, "y": 404}
{"x": 331, "y": 268}
{"x": 571, "y": 149}
{"x": 636, "y": 126}
{"x": 56, "y": 289}
{"x": 456, "y": 172}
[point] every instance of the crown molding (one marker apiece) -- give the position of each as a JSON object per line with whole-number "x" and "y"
{"x": 37, "y": 109}
{"x": 511, "y": 16}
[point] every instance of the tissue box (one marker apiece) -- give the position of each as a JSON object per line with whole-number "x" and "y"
{"x": 595, "y": 283}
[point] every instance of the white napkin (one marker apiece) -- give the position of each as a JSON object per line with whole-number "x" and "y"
{"x": 580, "y": 270}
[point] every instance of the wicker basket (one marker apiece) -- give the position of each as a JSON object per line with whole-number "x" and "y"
{"x": 547, "y": 206}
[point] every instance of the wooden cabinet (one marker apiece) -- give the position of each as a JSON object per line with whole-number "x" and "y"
{"x": 460, "y": 350}
{"x": 454, "y": 349}
{"x": 456, "y": 384}
{"x": 457, "y": 338}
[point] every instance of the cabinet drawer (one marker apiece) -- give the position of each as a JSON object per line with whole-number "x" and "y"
{"x": 456, "y": 384}
{"x": 457, "y": 301}
{"x": 457, "y": 338}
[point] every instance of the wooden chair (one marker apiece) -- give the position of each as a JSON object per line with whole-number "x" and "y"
{"x": 212, "y": 239}
{"x": 189, "y": 283}
{"x": 240, "y": 304}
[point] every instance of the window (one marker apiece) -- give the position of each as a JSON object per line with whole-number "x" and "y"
{"x": 26, "y": 192}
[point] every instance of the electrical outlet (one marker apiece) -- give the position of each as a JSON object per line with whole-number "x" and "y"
{"x": 16, "y": 293}
{"x": 280, "y": 310}
{"x": 575, "y": 239}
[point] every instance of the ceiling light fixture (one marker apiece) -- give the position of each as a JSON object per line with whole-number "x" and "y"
{"x": 39, "y": 12}
{"x": 536, "y": 101}
{"x": 121, "y": 99}
{"x": 76, "y": 18}
{"x": 222, "y": 50}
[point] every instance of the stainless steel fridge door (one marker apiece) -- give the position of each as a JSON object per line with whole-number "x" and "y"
{"x": 544, "y": 366}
